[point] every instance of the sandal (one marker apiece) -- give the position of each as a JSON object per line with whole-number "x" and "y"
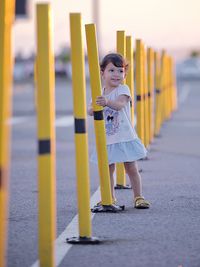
{"x": 141, "y": 203}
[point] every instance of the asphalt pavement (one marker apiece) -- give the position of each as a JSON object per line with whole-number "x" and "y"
{"x": 166, "y": 235}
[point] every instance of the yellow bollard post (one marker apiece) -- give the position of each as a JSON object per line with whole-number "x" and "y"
{"x": 150, "y": 60}
{"x": 120, "y": 172}
{"x": 46, "y": 136}
{"x": 146, "y": 107}
{"x": 130, "y": 74}
{"x": 81, "y": 141}
{"x": 163, "y": 88}
{"x": 171, "y": 85}
{"x": 174, "y": 87}
{"x": 158, "y": 103}
{"x": 99, "y": 124}
{"x": 139, "y": 91}
{"x": 121, "y": 43}
{"x": 6, "y": 68}
{"x": 168, "y": 85}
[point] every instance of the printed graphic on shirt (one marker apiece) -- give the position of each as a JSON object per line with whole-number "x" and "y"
{"x": 111, "y": 121}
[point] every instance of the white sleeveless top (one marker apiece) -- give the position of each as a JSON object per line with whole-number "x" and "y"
{"x": 118, "y": 123}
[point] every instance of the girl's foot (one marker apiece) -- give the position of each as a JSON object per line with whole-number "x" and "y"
{"x": 141, "y": 203}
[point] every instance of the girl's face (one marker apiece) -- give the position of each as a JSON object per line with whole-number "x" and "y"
{"x": 112, "y": 76}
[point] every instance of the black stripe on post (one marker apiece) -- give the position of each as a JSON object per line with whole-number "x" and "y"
{"x": 98, "y": 115}
{"x": 138, "y": 98}
{"x": 79, "y": 126}
{"x": 44, "y": 147}
{"x": 157, "y": 91}
{"x": 149, "y": 94}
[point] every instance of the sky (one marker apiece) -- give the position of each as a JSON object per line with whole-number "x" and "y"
{"x": 173, "y": 25}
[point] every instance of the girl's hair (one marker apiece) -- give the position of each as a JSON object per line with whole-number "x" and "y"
{"x": 116, "y": 59}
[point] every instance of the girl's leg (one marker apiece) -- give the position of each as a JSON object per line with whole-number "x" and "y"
{"x": 135, "y": 179}
{"x": 111, "y": 170}
{"x": 134, "y": 176}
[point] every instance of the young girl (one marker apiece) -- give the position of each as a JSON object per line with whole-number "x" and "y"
{"x": 123, "y": 144}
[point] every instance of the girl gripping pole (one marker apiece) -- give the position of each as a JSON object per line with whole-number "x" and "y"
{"x": 123, "y": 144}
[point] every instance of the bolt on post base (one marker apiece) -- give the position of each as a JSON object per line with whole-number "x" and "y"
{"x": 83, "y": 240}
{"x": 107, "y": 208}
{"x": 120, "y": 186}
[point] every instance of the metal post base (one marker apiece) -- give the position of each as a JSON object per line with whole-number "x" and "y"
{"x": 107, "y": 208}
{"x": 120, "y": 186}
{"x": 83, "y": 240}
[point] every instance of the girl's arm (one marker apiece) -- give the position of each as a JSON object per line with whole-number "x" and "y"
{"x": 118, "y": 104}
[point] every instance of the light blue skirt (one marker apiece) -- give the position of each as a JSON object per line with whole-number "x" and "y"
{"x": 123, "y": 152}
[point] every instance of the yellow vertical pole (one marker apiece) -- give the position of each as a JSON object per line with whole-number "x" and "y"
{"x": 121, "y": 43}
{"x": 175, "y": 102}
{"x": 130, "y": 74}
{"x": 158, "y": 102}
{"x": 81, "y": 138}
{"x": 166, "y": 87}
{"x": 139, "y": 90}
{"x": 168, "y": 84}
{"x": 172, "y": 98}
{"x": 163, "y": 88}
{"x": 120, "y": 172}
{"x": 99, "y": 124}
{"x": 6, "y": 68}
{"x": 146, "y": 107}
{"x": 150, "y": 60}
{"x": 46, "y": 136}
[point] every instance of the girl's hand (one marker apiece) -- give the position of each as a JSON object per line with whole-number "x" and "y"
{"x": 101, "y": 101}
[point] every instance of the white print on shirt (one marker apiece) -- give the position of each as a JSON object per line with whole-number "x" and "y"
{"x": 111, "y": 121}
